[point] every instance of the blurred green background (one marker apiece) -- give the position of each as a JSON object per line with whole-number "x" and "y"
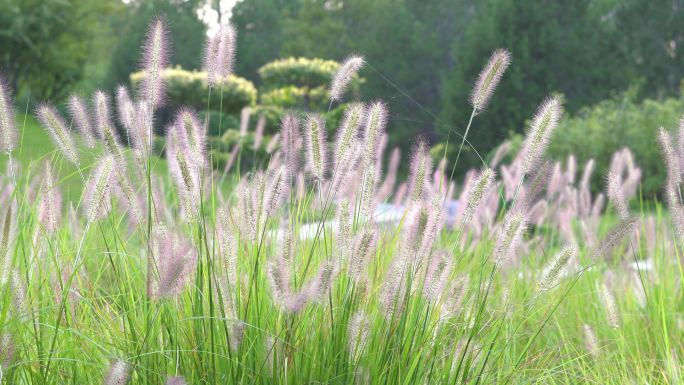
{"x": 619, "y": 64}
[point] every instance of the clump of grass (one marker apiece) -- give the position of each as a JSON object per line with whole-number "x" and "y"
{"x": 155, "y": 278}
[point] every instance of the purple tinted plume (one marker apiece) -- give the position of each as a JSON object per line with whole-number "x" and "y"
{"x": 125, "y": 108}
{"x": 489, "y": 78}
{"x": 421, "y": 168}
{"x": 154, "y": 60}
{"x": 185, "y": 174}
{"x": 544, "y": 122}
{"x": 50, "y": 204}
{"x": 192, "y": 136}
{"x": 219, "y": 54}
{"x": 82, "y": 119}
{"x": 118, "y": 373}
{"x": 376, "y": 119}
{"x": 103, "y": 122}
{"x": 316, "y": 151}
{"x": 344, "y": 76}
{"x": 174, "y": 261}
{"x": 290, "y": 140}
{"x": 53, "y": 122}
{"x": 176, "y": 381}
{"x": 348, "y": 131}
{"x": 97, "y": 190}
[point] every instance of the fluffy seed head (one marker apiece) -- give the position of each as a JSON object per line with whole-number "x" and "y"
{"x": 348, "y": 131}
{"x": 476, "y": 192}
{"x": 320, "y": 284}
{"x": 6, "y": 350}
{"x": 616, "y": 195}
{"x": 125, "y": 108}
{"x": 176, "y": 381}
{"x": 280, "y": 287}
{"x": 544, "y": 122}
{"x": 591, "y": 341}
{"x": 670, "y": 156}
{"x": 433, "y": 227}
{"x": 554, "y": 270}
{"x": 364, "y": 248}
{"x": 290, "y": 136}
{"x": 344, "y": 76}
{"x": 511, "y": 235}
{"x": 368, "y": 188}
{"x": 53, "y": 122}
{"x": 191, "y": 135}
{"x": 259, "y": 131}
{"x": 421, "y": 168}
{"x": 127, "y": 196}
{"x": 614, "y": 237}
{"x": 50, "y": 204}
{"x": 489, "y": 78}
{"x": 376, "y": 119}
{"x": 316, "y": 146}
{"x": 174, "y": 261}
{"x": 437, "y": 276}
{"x": 219, "y": 54}
{"x": 227, "y": 244}
{"x": 357, "y": 334}
{"x": 119, "y": 373}
{"x": 344, "y": 230}
{"x": 141, "y": 132}
{"x": 184, "y": 173}
{"x": 455, "y": 296}
{"x": 154, "y": 60}
{"x": 277, "y": 188}
{"x": 273, "y": 143}
{"x": 98, "y": 189}
{"x": 8, "y": 129}
{"x": 81, "y": 118}
{"x": 104, "y": 124}
{"x": 610, "y": 306}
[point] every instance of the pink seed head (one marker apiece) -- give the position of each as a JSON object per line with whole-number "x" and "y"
{"x": 155, "y": 54}
{"x": 82, "y": 119}
{"x": 8, "y": 129}
{"x": 52, "y": 121}
{"x": 344, "y": 76}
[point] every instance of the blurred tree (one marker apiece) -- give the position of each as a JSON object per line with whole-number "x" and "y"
{"x": 187, "y": 35}
{"x": 260, "y": 32}
{"x": 46, "y": 43}
{"x": 651, "y": 32}
{"x": 562, "y": 47}
{"x": 403, "y": 42}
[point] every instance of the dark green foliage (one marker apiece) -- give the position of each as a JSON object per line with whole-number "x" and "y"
{"x": 260, "y": 32}
{"x": 219, "y": 122}
{"x": 404, "y": 43}
{"x": 46, "y": 46}
{"x": 187, "y": 35}
{"x": 556, "y": 47}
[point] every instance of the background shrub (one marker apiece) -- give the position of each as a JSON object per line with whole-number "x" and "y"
{"x": 219, "y": 122}
{"x": 598, "y": 131}
{"x": 189, "y": 88}
{"x": 300, "y": 72}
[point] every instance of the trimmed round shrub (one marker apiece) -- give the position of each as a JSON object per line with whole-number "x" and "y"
{"x": 293, "y": 97}
{"x": 190, "y": 88}
{"x": 299, "y": 72}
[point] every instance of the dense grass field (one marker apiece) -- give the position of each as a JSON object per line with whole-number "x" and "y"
{"x": 120, "y": 267}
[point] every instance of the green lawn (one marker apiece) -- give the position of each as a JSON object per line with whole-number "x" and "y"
{"x": 36, "y": 147}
